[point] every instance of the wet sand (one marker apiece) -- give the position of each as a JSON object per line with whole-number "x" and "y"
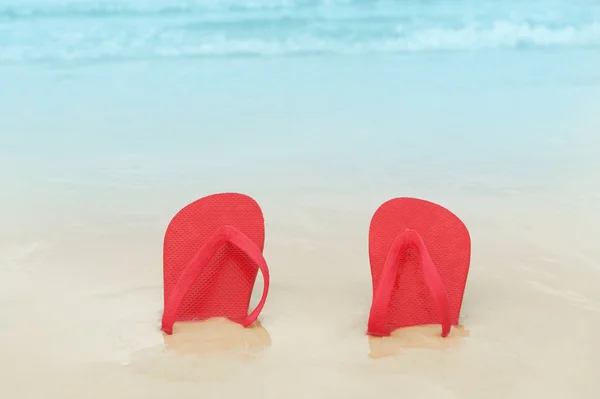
{"x": 81, "y": 303}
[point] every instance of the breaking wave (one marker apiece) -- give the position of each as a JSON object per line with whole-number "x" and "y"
{"x": 95, "y": 30}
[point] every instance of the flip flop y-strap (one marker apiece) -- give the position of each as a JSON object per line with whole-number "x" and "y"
{"x": 383, "y": 293}
{"x": 225, "y": 234}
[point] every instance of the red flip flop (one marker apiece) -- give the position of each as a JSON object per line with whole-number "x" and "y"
{"x": 420, "y": 254}
{"x": 212, "y": 254}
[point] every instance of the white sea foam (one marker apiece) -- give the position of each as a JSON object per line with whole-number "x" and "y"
{"x": 78, "y": 30}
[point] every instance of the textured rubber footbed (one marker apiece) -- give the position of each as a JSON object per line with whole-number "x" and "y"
{"x": 447, "y": 241}
{"x": 225, "y": 285}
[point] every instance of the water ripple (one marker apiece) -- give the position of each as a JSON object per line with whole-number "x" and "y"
{"x": 101, "y": 30}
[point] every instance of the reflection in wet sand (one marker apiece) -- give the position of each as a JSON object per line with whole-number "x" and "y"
{"x": 424, "y": 337}
{"x": 201, "y": 351}
{"x": 217, "y": 336}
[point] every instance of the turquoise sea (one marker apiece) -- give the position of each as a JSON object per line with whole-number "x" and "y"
{"x": 470, "y": 84}
{"x": 425, "y": 97}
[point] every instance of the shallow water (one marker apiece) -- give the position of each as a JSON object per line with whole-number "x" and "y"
{"x": 114, "y": 116}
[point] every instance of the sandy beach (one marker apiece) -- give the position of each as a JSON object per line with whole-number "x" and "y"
{"x": 82, "y": 299}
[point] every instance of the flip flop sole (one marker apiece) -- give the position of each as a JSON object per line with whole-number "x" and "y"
{"x": 447, "y": 241}
{"x": 225, "y": 285}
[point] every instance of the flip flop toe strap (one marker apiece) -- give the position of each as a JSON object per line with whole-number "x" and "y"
{"x": 225, "y": 234}
{"x": 383, "y": 292}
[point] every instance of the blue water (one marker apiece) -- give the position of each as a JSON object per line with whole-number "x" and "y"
{"x": 118, "y": 30}
{"x": 279, "y": 90}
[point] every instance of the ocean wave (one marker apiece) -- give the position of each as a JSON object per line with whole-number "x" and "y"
{"x": 172, "y": 29}
{"x": 48, "y": 9}
{"x": 114, "y": 8}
